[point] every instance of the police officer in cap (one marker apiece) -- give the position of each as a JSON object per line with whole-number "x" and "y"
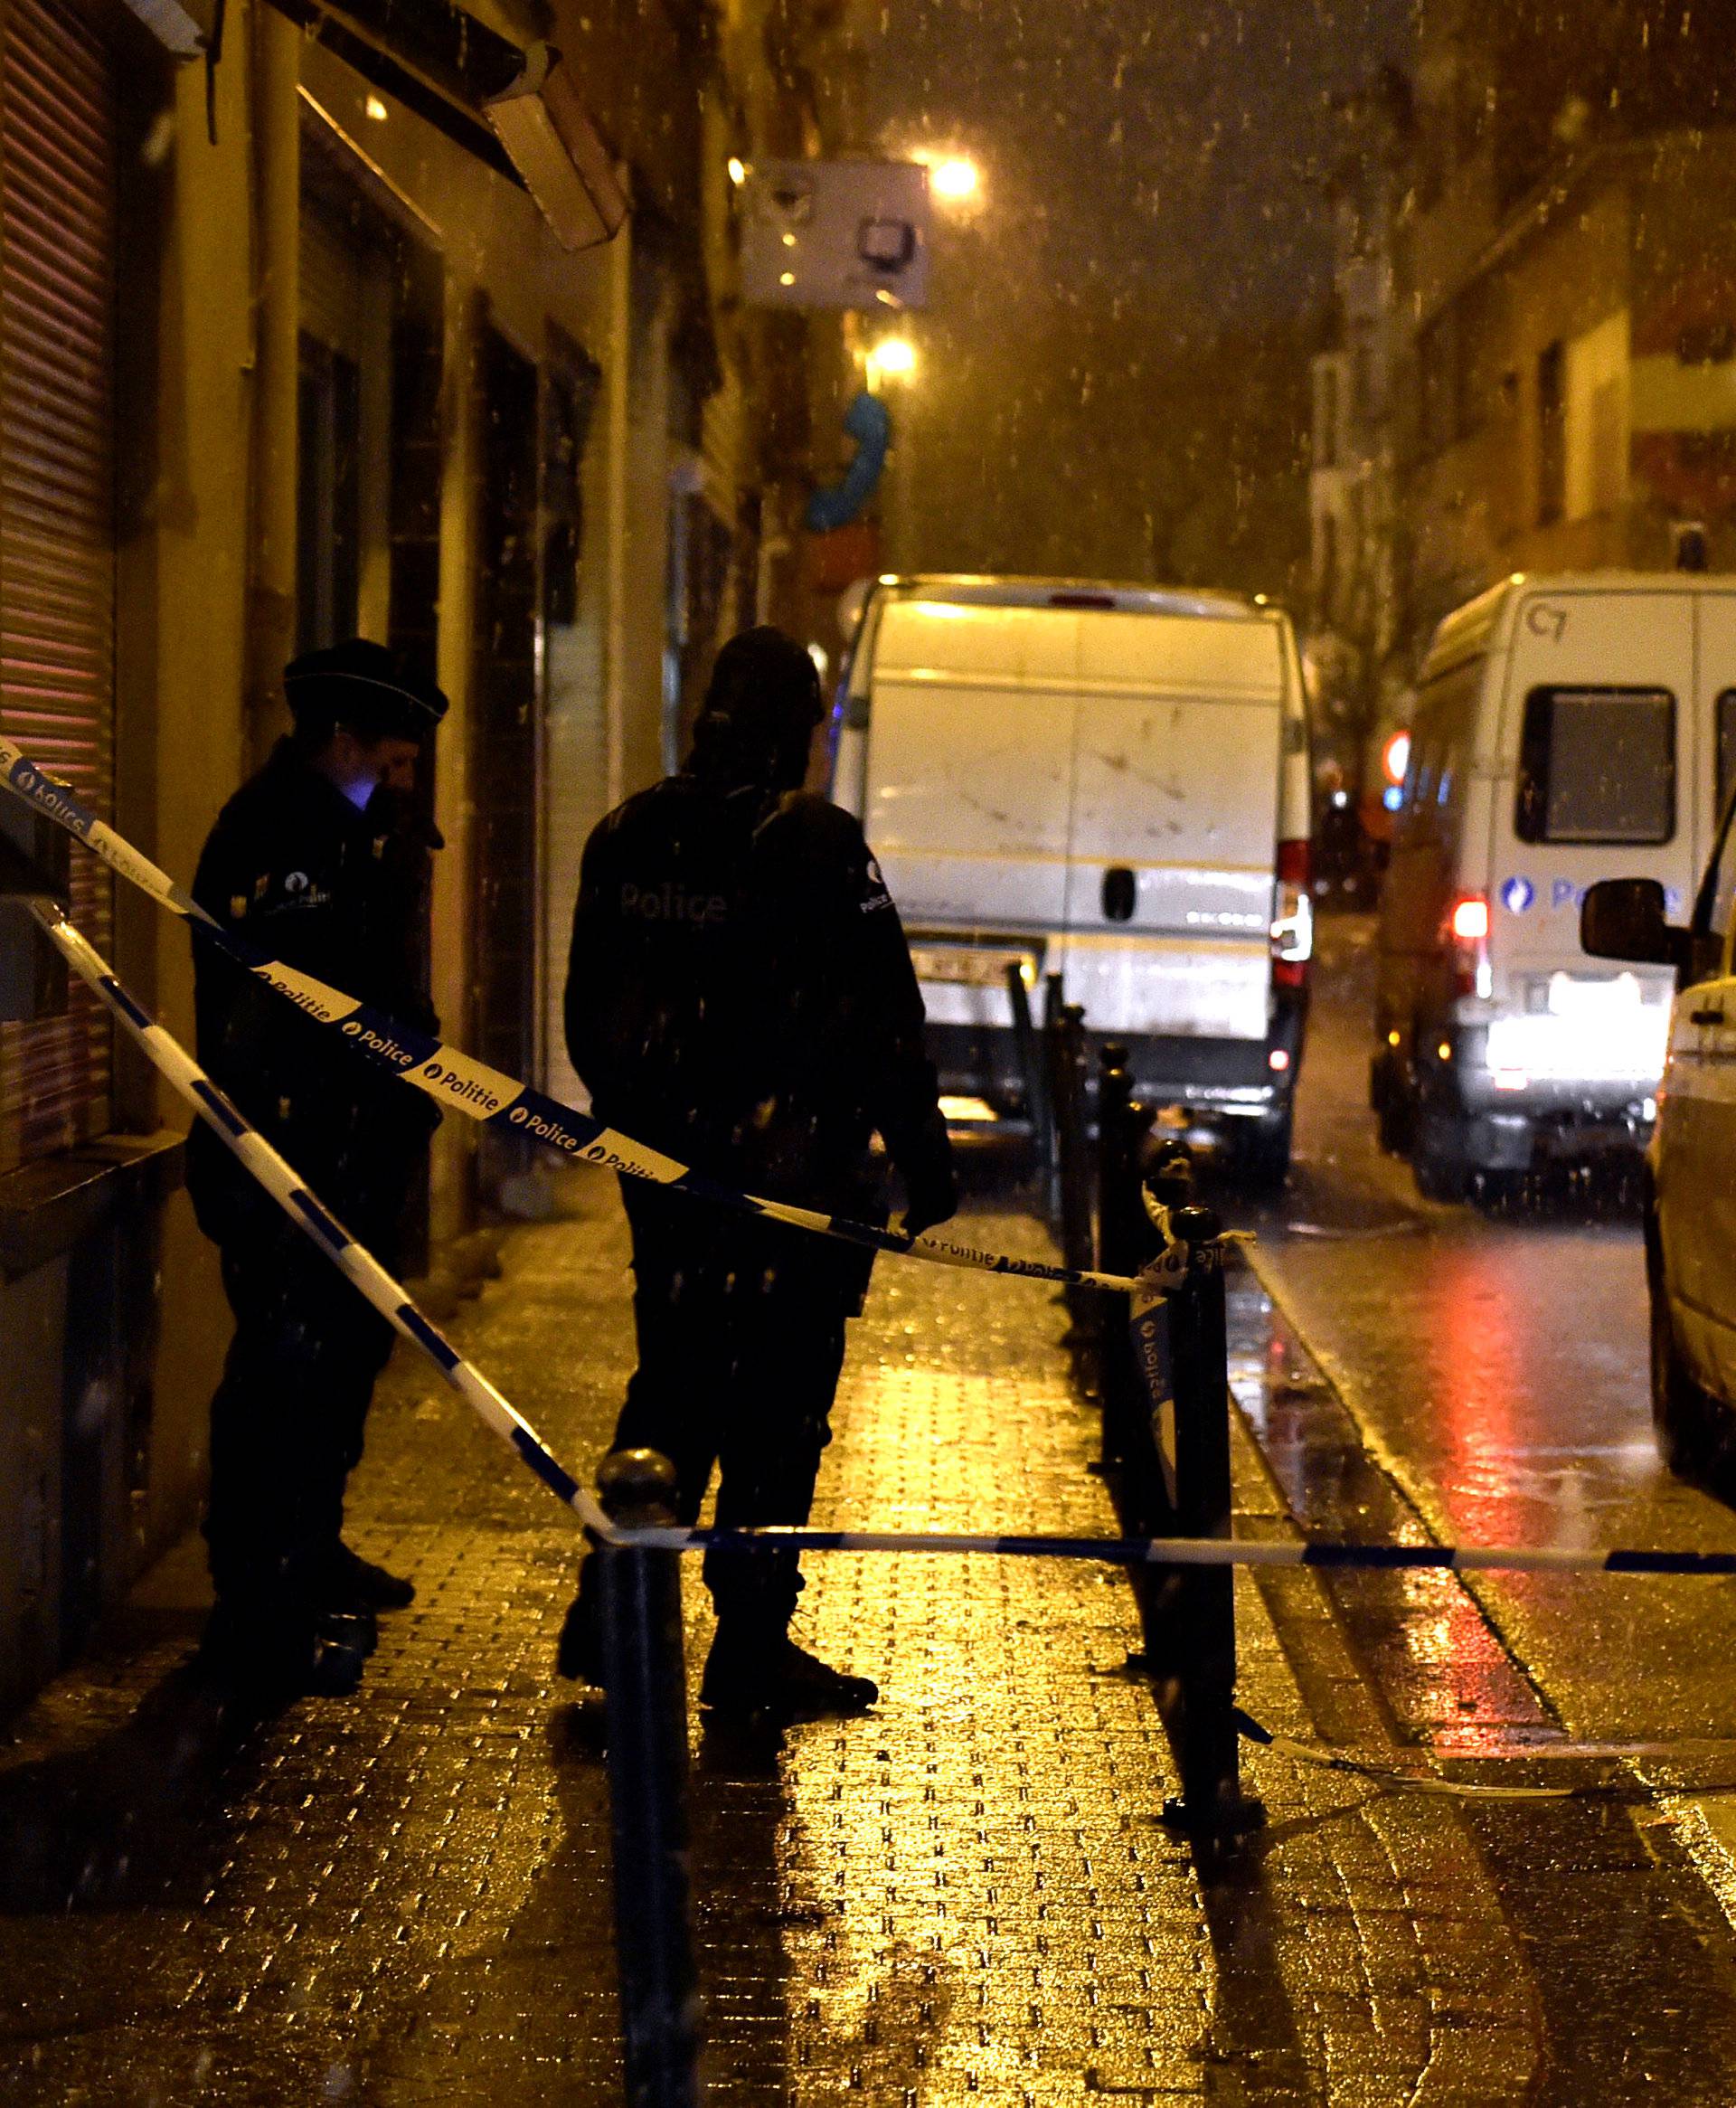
{"x": 740, "y": 996}
{"x": 322, "y": 860}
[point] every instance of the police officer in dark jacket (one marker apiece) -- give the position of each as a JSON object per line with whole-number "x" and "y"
{"x": 322, "y": 861}
{"x": 741, "y": 996}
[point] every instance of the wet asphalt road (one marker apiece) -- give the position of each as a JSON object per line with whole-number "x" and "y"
{"x": 1414, "y": 1370}
{"x": 1494, "y": 1364}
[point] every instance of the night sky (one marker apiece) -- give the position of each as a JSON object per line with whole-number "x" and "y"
{"x": 1114, "y": 375}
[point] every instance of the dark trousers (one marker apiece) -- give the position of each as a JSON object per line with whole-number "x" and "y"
{"x": 287, "y": 1422}
{"x": 741, "y": 1327}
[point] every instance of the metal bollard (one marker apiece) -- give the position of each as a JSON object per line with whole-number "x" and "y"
{"x": 1049, "y": 1054}
{"x": 1077, "y": 1242}
{"x": 646, "y": 1690}
{"x": 1033, "y": 1073}
{"x": 1123, "y": 1239}
{"x": 1202, "y": 1729}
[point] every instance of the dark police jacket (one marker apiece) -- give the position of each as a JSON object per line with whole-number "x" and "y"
{"x": 741, "y": 995}
{"x": 296, "y": 870}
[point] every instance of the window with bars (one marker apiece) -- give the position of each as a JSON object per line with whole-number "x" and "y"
{"x": 57, "y": 299}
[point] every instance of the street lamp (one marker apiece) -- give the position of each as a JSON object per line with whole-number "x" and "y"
{"x": 954, "y": 180}
{"x": 892, "y": 357}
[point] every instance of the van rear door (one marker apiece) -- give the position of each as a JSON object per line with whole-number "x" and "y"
{"x": 1596, "y": 781}
{"x": 968, "y": 790}
{"x": 1599, "y": 733}
{"x": 1178, "y": 747}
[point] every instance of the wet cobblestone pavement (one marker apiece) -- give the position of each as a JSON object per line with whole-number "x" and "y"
{"x": 966, "y": 1896}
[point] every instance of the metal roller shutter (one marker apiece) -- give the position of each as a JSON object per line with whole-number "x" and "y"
{"x": 57, "y": 257}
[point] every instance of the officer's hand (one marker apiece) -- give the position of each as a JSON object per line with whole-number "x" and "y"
{"x": 933, "y": 1198}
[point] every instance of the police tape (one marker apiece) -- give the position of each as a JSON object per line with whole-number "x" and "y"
{"x": 387, "y": 1296}
{"x": 262, "y": 1162}
{"x": 489, "y": 1096}
{"x": 358, "y": 1265}
{"x": 1202, "y": 1551}
{"x": 1381, "y": 1771}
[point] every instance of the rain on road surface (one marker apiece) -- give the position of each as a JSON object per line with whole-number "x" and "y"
{"x": 1496, "y": 1366}
{"x": 1477, "y": 1375}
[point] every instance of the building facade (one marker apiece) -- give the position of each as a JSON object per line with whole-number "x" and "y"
{"x": 1558, "y": 312}
{"x": 287, "y": 354}
{"x": 1358, "y": 678}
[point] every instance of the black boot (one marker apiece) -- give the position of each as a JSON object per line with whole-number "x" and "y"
{"x": 357, "y": 1584}
{"x": 269, "y": 1661}
{"x": 750, "y": 1671}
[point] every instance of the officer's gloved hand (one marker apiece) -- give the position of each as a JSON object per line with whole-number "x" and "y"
{"x": 932, "y": 1199}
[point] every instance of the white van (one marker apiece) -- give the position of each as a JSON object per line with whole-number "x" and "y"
{"x": 1110, "y": 783}
{"x": 1567, "y": 729}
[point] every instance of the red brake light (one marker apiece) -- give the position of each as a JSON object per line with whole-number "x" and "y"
{"x": 1470, "y": 919}
{"x": 1292, "y": 916}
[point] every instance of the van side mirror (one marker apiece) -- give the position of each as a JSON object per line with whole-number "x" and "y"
{"x": 1623, "y": 917}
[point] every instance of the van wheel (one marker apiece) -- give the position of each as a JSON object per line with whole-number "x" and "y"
{"x": 1439, "y": 1177}
{"x": 1389, "y": 1100}
{"x": 1438, "y": 1157}
{"x": 1693, "y": 1434}
{"x": 1263, "y": 1158}
{"x": 1396, "y": 1125}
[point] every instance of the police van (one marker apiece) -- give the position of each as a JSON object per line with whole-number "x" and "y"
{"x": 1567, "y": 729}
{"x": 1108, "y": 783}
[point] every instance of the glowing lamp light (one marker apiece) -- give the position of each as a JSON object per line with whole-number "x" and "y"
{"x": 738, "y": 170}
{"x": 1278, "y": 1060}
{"x": 894, "y": 355}
{"x": 954, "y": 180}
{"x": 1395, "y": 757}
{"x": 376, "y": 110}
{"x": 1471, "y": 920}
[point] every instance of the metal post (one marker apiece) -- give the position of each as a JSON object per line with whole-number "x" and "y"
{"x": 647, "y": 1689}
{"x": 1053, "y": 1007}
{"x": 1117, "y": 1250}
{"x": 1207, "y": 1747}
{"x": 1032, "y": 1069}
{"x": 1078, "y": 1242}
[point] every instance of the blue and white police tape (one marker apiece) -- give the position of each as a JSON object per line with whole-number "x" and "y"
{"x": 262, "y": 1162}
{"x": 481, "y": 1093}
{"x": 1206, "y": 1551}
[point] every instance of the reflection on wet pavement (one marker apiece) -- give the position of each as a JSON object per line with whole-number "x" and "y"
{"x": 1458, "y": 1375}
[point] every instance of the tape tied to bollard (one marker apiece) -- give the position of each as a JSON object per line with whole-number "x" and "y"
{"x": 372, "y": 1281}
{"x": 487, "y": 1095}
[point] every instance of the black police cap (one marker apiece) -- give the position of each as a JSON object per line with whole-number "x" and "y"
{"x": 366, "y": 687}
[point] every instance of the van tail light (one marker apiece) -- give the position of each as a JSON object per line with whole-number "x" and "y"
{"x": 1292, "y": 916}
{"x": 1467, "y": 935}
